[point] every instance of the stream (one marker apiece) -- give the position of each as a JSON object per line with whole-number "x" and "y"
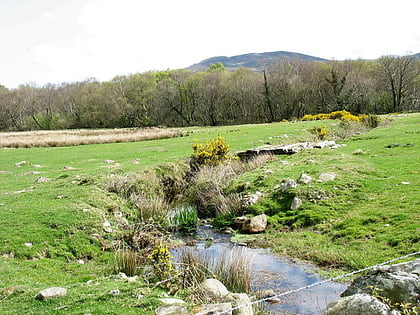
{"x": 273, "y": 272}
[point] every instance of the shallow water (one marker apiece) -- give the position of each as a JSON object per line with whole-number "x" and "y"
{"x": 274, "y": 272}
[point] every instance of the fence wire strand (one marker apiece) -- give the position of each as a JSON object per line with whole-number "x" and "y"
{"x": 317, "y": 283}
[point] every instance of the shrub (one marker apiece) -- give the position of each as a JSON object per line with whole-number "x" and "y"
{"x": 321, "y": 132}
{"x": 160, "y": 259}
{"x": 370, "y": 121}
{"x": 213, "y": 152}
{"x": 351, "y": 118}
{"x": 172, "y": 180}
{"x": 207, "y": 197}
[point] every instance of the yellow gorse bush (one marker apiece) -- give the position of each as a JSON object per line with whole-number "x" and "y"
{"x": 160, "y": 259}
{"x": 371, "y": 121}
{"x": 213, "y": 152}
{"x": 321, "y": 132}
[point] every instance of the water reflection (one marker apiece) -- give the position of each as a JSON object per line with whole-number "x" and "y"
{"x": 273, "y": 272}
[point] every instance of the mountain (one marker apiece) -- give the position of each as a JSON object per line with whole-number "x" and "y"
{"x": 255, "y": 61}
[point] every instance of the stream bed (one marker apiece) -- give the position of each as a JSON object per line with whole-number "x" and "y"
{"x": 273, "y": 272}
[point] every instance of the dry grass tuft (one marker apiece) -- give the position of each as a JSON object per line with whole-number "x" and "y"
{"x": 233, "y": 268}
{"x": 62, "y": 138}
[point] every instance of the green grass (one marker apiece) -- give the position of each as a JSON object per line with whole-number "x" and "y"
{"x": 63, "y": 219}
{"x": 369, "y": 214}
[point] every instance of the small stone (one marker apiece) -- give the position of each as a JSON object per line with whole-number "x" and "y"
{"x": 20, "y": 164}
{"x": 28, "y": 244}
{"x": 296, "y": 203}
{"x": 52, "y": 292}
{"x": 304, "y": 179}
{"x": 41, "y": 179}
{"x": 108, "y": 162}
{"x": 325, "y": 177}
{"x": 69, "y": 168}
{"x": 255, "y": 224}
{"x": 274, "y": 300}
{"x": 114, "y": 292}
{"x": 386, "y": 225}
{"x": 36, "y": 165}
{"x": 122, "y": 275}
{"x": 171, "y": 301}
{"x": 132, "y": 279}
{"x": 81, "y": 262}
{"x": 405, "y": 183}
{"x": 208, "y": 309}
{"x": 171, "y": 310}
{"x": 106, "y": 224}
{"x": 290, "y": 183}
{"x": 214, "y": 288}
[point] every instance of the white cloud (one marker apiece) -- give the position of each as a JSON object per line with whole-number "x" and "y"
{"x": 72, "y": 40}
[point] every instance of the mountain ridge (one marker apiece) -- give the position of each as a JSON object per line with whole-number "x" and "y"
{"x": 252, "y": 60}
{"x": 258, "y": 61}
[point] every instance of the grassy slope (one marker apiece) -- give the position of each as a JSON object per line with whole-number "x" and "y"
{"x": 372, "y": 210}
{"x": 51, "y": 216}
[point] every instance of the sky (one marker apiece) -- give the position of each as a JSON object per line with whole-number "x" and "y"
{"x": 55, "y": 41}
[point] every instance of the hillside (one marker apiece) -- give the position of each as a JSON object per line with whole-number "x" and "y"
{"x": 255, "y": 61}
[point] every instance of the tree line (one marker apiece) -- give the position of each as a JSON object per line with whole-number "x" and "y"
{"x": 288, "y": 90}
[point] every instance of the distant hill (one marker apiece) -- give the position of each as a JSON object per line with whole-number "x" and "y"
{"x": 256, "y": 61}
{"x": 417, "y": 56}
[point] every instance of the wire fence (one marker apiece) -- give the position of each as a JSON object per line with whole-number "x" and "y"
{"x": 317, "y": 283}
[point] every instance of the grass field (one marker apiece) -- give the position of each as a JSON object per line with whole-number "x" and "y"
{"x": 50, "y": 225}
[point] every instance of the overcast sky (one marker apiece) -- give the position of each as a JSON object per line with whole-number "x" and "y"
{"x": 72, "y": 40}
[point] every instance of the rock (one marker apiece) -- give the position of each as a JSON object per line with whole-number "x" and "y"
{"x": 28, "y": 244}
{"x": 239, "y": 221}
{"x": 249, "y": 200}
{"x": 170, "y": 301}
{"x": 255, "y": 224}
{"x": 52, "y": 292}
{"x": 5, "y": 172}
{"x": 108, "y": 162}
{"x": 114, "y": 292}
{"x": 20, "y": 164}
{"x": 41, "y": 179}
{"x": 304, "y": 179}
{"x": 400, "y": 283}
{"x": 358, "y": 304}
{"x": 296, "y": 203}
{"x": 69, "y": 168}
{"x": 208, "y": 309}
{"x": 214, "y": 288}
{"x": 287, "y": 184}
{"x": 325, "y": 177}
{"x": 171, "y": 310}
{"x": 240, "y": 299}
{"x": 228, "y": 230}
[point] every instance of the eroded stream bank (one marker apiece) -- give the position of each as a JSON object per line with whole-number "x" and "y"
{"x": 271, "y": 272}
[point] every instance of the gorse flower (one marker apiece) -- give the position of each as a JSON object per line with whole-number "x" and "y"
{"x": 213, "y": 152}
